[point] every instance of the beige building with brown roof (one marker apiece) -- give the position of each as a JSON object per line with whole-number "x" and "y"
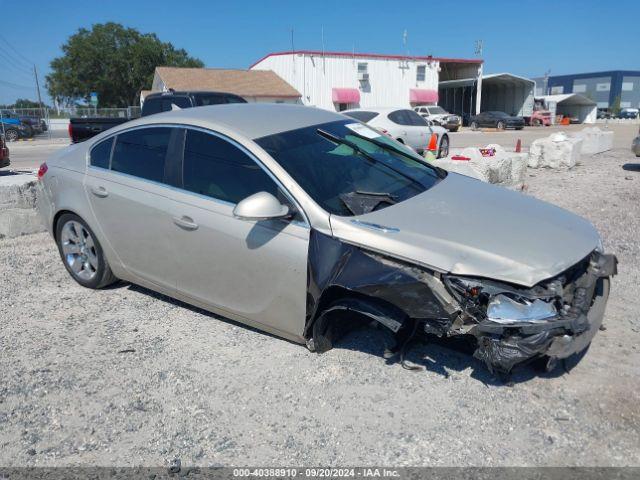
{"x": 253, "y": 85}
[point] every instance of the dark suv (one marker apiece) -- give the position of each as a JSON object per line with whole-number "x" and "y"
{"x": 163, "y": 102}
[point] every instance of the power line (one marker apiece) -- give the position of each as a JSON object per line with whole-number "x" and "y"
{"x": 11, "y": 62}
{"x": 14, "y": 85}
{"x": 19, "y": 54}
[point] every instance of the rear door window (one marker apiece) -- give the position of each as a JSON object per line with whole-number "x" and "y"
{"x": 142, "y": 153}
{"x": 101, "y": 154}
{"x": 215, "y": 167}
{"x": 362, "y": 116}
{"x": 414, "y": 119}
{"x": 400, "y": 117}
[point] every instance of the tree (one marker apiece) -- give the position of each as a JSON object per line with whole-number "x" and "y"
{"x": 114, "y": 61}
{"x": 615, "y": 106}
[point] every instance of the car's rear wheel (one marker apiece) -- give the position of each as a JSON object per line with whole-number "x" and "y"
{"x": 11, "y": 134}
{"x": 536, "y": 122}
{"x": 81, "y": 252}
{"x": 474, "y": 126}
{"x": 500, "y": 125}
{"x": 444, "y": 147}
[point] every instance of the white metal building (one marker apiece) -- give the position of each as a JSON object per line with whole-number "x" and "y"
{"x": 571, "y": 105}
{"x": 503, "y": 92}
{"x": 343, "y": 80}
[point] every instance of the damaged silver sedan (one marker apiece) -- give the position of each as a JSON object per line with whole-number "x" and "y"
{"x": 307, "y": 224}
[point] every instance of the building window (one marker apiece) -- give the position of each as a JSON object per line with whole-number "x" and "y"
{"x": 557, "y": 90}
{"x": 363, "y": 73}
{"x": 421, "y": 73}
{"x": 627, "y": 86}
{"x": 603, "y": 87}
{"x": 579, "y": 88}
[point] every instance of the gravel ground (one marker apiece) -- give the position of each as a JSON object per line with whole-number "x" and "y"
{"x": 127, "y": 377}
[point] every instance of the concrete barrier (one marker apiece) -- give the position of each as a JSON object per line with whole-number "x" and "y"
{"x": 556, "y": 151}
{"x": 504, "y": 167}
{"x": 17, "y": 206}
{"x": 595, "y": 140}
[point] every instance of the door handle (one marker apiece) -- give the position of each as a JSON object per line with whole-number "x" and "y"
{"x": 185, "y": 223}
{"x": 99, "y": 191}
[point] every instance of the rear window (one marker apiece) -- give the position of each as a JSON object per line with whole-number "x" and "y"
{"x": 202, "y": 100}
{"x": 101, "y": 154}
{"x": 362, "y": 116}
{"x": 142, "y": 153}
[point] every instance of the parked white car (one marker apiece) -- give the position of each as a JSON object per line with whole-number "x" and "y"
{"x": 440, "y": 116}
{"x": 404, "y": 125}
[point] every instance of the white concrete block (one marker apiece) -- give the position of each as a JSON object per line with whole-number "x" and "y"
{"x": 507, "y": 168}
{"x": 555, "y": 151}
{"x": 595, "y": 140}
{"x": 17, "y": 206}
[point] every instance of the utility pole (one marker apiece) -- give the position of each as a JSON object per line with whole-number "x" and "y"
{"x": 35, "y": 74}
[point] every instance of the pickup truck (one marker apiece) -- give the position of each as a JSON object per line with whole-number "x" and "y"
{"x": 81, "y": 129}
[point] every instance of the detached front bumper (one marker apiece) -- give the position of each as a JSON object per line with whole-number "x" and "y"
{"x": 502, "y": 347}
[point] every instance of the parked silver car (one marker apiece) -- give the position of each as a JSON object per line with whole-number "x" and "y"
{"x": 305, "y": 223}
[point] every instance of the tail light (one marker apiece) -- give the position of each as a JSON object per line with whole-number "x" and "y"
{"x": 70, "y": 130}
{"x": 42, "y": 170}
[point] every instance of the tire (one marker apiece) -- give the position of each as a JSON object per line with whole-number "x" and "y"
{"x": 519, "y": 128}
{"x": 11, "y": 134}
{"x": 500, "y": 125}
{"x": 81, "y": 253}
{"x": 443, "y": 151}
{"x": 536, "y": 122}
{"x": 29, "y": 133}
{"x": 474, "y": 125}
{"x": 454, "y": 129}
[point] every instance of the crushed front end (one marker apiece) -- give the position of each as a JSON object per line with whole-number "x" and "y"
{"x": 512, "y": 324}
{"x": 556, "y": 318}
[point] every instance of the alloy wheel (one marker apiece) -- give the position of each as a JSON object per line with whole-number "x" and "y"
{"x": 11, "y": 135}
{"x": 79, "y": 250}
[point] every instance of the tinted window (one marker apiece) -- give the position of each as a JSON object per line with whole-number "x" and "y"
{"x": 399, "y": 117}
{"x": 414, "y": 119}
{"x": 343, "y": 180}
{"x": 142, "y": 153}
{"x": 151, "y": 106}
{"x": 362, "y": 116}
{"x": 180, "y": 102}
{"x": 101, "y": 154}
{"x": 205, "y": 99}
{"x": 216, "y": 168}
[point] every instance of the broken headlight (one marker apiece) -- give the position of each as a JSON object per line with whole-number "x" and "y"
{"x": 500, "y": 303}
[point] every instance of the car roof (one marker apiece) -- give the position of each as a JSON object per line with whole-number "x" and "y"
{"x": 190, "y": 92}
{"x": 380, "y": 110}
{"x": 252, "y": 120}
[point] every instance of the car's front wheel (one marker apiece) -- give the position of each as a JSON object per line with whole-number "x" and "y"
{"x": 474, "y": 125}
{"x": 81, "y": 252}
{"x": 500, "y": 125}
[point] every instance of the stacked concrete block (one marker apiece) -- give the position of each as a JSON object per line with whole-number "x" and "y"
{"x": 595, "y": 140}
{"x": 17, "y": 206}
{"x": 555, "y": 151}
{"x": 504, "y": 167}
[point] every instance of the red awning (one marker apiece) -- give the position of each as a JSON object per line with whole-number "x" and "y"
{"x": 345, "y": 95}
{"x": 420, "y": 95}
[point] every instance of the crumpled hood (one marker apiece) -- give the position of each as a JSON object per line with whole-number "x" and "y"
{"x": 467, "y": 227}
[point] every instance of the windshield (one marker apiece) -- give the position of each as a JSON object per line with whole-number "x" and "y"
{"x": 349, "y": 168}
{"x": 437, "y": 110}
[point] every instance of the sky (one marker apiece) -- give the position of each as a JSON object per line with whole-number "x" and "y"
{"x": 520, "y": 37}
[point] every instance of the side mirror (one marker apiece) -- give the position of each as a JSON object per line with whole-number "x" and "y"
{"x": 260, "y": 206}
